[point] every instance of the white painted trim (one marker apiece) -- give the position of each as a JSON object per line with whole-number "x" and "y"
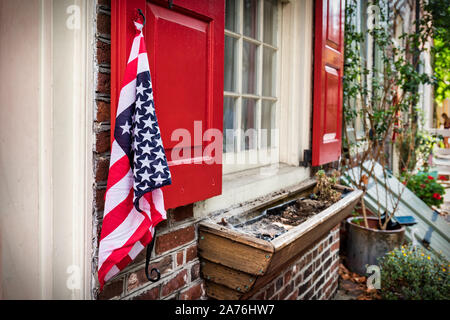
{"x": 239, "y": 95}
{"x": 45, "y": 153}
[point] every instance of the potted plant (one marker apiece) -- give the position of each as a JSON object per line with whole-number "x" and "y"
{"x": 381, "y": 100}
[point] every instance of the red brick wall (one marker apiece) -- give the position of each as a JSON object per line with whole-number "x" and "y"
{"x": 314, "y": 276}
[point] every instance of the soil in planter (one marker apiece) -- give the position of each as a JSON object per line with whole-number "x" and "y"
{"x": 275, "y": 221}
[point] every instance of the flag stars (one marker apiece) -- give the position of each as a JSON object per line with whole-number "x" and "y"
{"x": 145, "y": 175}
{"x": 149, "y": 122}
{"x": 146, "y": 148}
{"x": 145, "y": 162}
{"x": 125, "y": 128}
{"x": 159, "y": 168}
{"x": 158, "y": 180}
{"x": 139, "y": 103}
{"x": 160, "y": 155}
{"x": 147, "y": 136}
{"x": 140, "y": 89}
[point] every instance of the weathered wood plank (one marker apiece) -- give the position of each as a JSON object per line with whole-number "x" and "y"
{"x": 236, "y": 236}
{"x": 219, "y": 292}
{"x": 233, "y": 254}
{"x": 228, "y": 277}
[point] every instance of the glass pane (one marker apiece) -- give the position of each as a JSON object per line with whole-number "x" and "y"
{"x": 249, "y": 67}
{"x": 268, "y": 80}
{"x": 268, "y": 124}
{"x": 231, "y": 15}
{"x": 229, "y": 116}
{"x": 230, "y": 64}
{"x": 270, "y": 22}
{"x": 251, "y": 21}
{"x": 248, "y": 124}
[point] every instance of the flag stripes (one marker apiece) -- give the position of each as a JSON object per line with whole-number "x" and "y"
{"x": 134, "y": 202}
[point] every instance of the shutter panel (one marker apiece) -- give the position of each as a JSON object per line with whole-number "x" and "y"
{"x": 185, "y": 45}
{"x": 328, "y": 72}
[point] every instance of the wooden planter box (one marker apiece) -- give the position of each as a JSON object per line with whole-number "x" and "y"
{"x": 236, "y": 265}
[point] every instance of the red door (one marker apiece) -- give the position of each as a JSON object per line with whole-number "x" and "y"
{"x": 185, "y": 45}
{"x": 328, "y": 72}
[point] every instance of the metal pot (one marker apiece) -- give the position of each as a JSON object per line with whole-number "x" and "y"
{"x": 366, "y": 245}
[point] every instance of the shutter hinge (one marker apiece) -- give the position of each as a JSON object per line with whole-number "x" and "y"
{"x": 307, "y": 158}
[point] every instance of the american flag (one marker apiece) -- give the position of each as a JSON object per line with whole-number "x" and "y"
{"x": 134, "y": 202}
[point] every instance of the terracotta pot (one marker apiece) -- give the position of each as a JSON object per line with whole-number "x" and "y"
{"x": 366, "y": 245}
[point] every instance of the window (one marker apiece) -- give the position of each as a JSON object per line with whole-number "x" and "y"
{"x": 251, "y": 92}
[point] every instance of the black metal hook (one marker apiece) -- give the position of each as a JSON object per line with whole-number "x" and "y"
{"x": 158, "y": 274}
{"x": 147, "y": 262}
{"x": 142, "y": 15}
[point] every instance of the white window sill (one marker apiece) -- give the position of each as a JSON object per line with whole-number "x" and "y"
{"x": 243, "y": 186}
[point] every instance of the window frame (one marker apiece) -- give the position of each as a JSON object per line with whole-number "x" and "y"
{"x": 231, "y": 163}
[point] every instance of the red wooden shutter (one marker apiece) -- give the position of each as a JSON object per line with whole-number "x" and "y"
{"x": 185, "y": 45}
{"x": 328, "y": 71}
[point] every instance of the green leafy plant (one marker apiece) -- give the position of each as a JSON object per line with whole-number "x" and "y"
{"x": 383, "y": 96}
{"x": 426, "y": 187}
{"x": 410, "y": 273}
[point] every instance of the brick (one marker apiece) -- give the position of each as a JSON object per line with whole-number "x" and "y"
{"x": 102, "y": 168}
{"x": 102, "y": 141}
{"x": 259, "y": 296}
{"x": 326, "y": 265}
{"x": 103, "y": 23}
{"x": 138, "y": 278}
{"x": 298, "y": 279}
{"x": 270, "y": 291}
{"x": 279, "y": 283}
{"x": 100, "y": 199}
{"x": 303, "y": 288}
{"x": 103, "y": 52}
{"x": 111, "y": 289}
{"x": 174, "y": 239}
{"x": 193, "y": 293}
{"x": 308, "y": 259}
{"x": 195, "y": 271}
{"x": 191, "y": 253}
{"x": 288, "y": 276}
{"x": 335, "y": 246}
{"x": 174, "y": 284}
{"x": 309, "y": 294}
{"x": 152, "y": 294}
{"x": 180, "y": 256}
{"x": 104, "y": 83}
{"x": 307, "y": 272}
{"x": 103, "y": 111}
{"x": 326, "y": 254}
{"x": 287, "y": 290}
{"x": 183, "y": 213}
{"x": 293, "y": 295}
{"x": 319, "y": 282}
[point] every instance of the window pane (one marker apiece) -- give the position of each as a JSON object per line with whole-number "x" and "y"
{"x": 249, "y": 67}
{"x": 268, "y": 123}
{"x": 231, "y": 15}
{"x": 248, "y": 124}
{"x": 230, "y": 64}
{"x": 268, "y": 81}
{"x": 251, "y": 21}
{"x": 229, "y": 116}
{"x": 270, "y": 22}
